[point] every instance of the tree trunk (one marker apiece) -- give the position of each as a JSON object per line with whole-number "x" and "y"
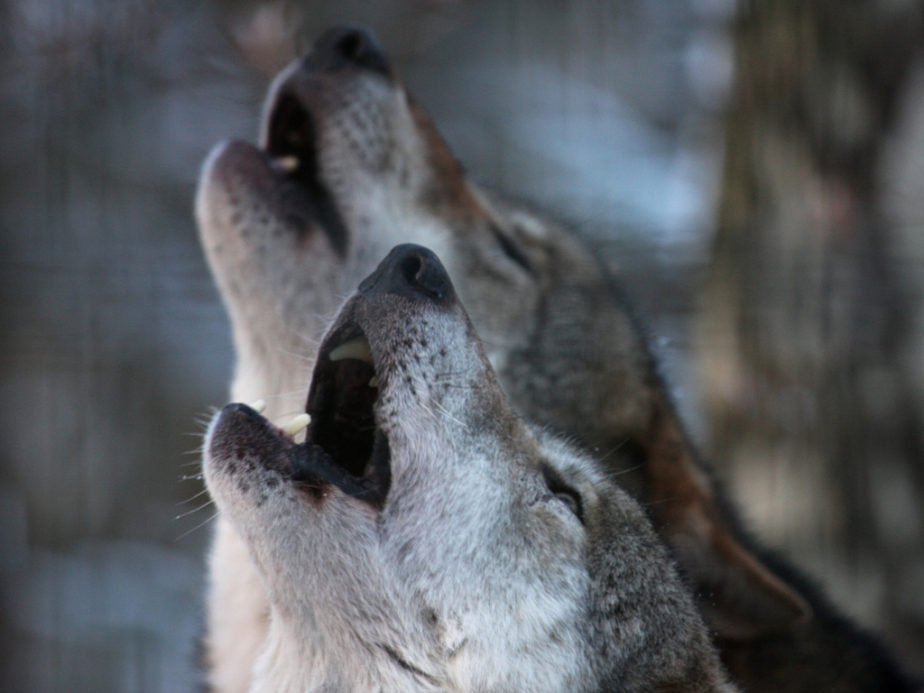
{"x": 801, "y": 339}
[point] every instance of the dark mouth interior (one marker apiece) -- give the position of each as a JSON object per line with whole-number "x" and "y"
{"x": 341, "y": 404}
{"x": 344, "y": 424}
{"x": 291, "y": 135}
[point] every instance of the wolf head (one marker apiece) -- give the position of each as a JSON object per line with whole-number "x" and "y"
{"x": 347, "y": 167}
{"x": 423, "y": 538}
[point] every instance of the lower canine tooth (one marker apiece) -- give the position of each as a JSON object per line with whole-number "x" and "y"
{"x": 354, "y": 349}
{"x": 373, "y": 381}
{"x": 286, "y": 164}
{"x": 259, "y": 406}
{"x": 297, "y": 424}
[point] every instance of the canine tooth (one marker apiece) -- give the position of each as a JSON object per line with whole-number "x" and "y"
{"x": 373, "y": 381}
{"x": 286, "y": 164}
{"x": 259, "y": 406}
{"x": 297, "y": 424}
{"x": 354, "y": 349}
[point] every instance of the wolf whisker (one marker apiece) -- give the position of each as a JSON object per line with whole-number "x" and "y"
{"x": 193, "y": 497}
{"x": 197, "y": 527}
{"x": 194, "y": 510}
{"x": 628, "y": 470}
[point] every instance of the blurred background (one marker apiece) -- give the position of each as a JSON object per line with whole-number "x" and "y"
{"x": 751, "y": 173}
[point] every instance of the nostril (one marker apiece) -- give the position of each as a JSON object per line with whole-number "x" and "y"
{"x": 346, "y": 46}
{"x": 410, "y": 269}
{"x": 351, "y": 46}
{"x": 423, "y": 277}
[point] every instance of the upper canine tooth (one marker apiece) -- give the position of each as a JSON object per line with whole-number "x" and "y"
{"x": 286, "y": 164}
{"x": 354, "y": 349}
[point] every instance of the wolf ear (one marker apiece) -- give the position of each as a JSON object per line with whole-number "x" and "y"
{"x": 738, "y": 594}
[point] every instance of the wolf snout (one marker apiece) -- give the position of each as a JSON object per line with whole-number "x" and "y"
{"x": 412, "y": 271}
{"x": 347, "y": 46}
{"x": 238, "y": 431}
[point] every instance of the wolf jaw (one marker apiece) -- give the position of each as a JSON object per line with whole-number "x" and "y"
{"x": 343, "y": 447}
{"x": 460, "y": 553}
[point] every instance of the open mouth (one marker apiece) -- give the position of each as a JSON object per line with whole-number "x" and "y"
{"x": 291, "y": 140}
{"x": 291, "y": 143}
{"x": 344, "y": 445}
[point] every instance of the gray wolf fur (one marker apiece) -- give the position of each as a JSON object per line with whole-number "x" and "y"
{"x": 349, "y": 166}
{"x": 423, "y": 539}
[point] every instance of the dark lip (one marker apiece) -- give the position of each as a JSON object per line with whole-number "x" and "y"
{"x": 240, "y": 427}
{"x": 312, "y": 466}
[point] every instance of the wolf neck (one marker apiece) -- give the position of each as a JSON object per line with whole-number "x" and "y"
{"x": 320, "y": 659}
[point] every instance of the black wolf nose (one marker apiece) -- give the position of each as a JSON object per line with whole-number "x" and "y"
{"x": 413, "y": 271}
{"x": 347, "y": 46}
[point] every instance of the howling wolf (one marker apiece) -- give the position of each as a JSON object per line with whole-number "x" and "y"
{"x": 423, "y": 539}
{"x": 348, "y": 166}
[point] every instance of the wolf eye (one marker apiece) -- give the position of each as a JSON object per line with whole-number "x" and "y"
{"x": 571, "y": 500}
{"x": 511, "y": 250}
{"x": 563, "y": 492}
